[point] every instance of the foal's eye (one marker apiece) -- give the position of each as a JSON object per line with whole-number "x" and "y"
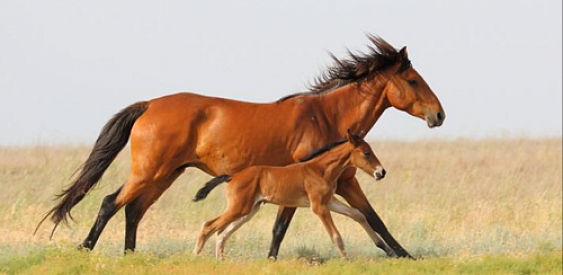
{"x": 366, "y": 154}
{"x": 412, "y": 82}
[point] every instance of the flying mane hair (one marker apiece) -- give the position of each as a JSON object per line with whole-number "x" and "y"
{"x": 358, "y": 67}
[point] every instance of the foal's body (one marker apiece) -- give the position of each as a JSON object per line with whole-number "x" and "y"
{"x": 307, "y": 184}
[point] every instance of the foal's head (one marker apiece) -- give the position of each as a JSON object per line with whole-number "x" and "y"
{"x": 363, "y": 157}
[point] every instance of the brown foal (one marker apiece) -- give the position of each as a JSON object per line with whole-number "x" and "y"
{"x": 307, "y": 184}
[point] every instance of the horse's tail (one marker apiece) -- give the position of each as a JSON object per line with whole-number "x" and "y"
{"x": 110, "y": 142}
{"x": 209, "y": 186}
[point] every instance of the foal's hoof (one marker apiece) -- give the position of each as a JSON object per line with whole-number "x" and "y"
{"x": 273, "y": 258}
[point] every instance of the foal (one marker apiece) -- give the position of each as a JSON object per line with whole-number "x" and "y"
{"x": 310, "y": 183}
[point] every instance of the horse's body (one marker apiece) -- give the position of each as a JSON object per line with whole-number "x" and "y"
{"x": 311, "y": 183}
{"x": 222, "y": 137}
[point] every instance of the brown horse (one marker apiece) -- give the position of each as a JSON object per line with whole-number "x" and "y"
{"x": 311, "y": 183}
{"x": 222, "y": 136}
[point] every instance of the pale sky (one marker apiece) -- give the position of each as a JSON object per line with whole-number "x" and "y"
{"x": 67, "y": 66}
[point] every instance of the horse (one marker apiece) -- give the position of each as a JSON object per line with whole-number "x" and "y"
{"x": 310, "y": 183}
{"x": 222, "y": 136}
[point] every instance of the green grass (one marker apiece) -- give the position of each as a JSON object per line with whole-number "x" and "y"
{"x": 70, "y": 261}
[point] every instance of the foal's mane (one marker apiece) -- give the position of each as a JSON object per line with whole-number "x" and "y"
{"x": 358, "y": 67}
{"x": 322, "y": 150}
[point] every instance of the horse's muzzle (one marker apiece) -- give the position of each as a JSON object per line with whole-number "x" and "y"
{"x": 436, "y": 120}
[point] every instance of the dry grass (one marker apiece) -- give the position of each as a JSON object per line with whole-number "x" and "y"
{"x": 441, "y": 198}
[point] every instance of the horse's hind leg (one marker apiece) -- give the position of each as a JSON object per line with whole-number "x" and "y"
{"x": 107, "y": 210}
{"x": 135, "y": 210}
{"x": 134, "y": 187}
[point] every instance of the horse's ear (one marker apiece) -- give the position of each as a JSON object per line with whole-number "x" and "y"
{"x": 354, "y": 139}
{"x": 404, "y": 54}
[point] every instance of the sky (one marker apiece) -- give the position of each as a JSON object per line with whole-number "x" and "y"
{"x": 67, "y": 66}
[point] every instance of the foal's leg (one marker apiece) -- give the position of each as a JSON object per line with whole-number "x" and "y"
{"x": 220, "y": 223}
{"x": 222, "y": 237}
{"x": 323, "y": 212}
{"x": 336, "y": 206}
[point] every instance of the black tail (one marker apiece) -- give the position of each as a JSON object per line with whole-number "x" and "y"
{"x": 209, "y": 186}
{"x": 112, "y": 139}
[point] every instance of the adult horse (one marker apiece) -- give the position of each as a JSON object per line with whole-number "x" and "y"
{"x": 222, "y": 136}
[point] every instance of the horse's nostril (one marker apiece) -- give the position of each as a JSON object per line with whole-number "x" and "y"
{"x": 439, "y": 116}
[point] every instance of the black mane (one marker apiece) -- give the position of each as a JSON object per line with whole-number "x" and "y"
{"x": 358, "y": 67}
{"x": 322, "y": 150}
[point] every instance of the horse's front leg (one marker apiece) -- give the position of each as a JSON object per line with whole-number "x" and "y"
{"x": 285, "y": 215}
{"x": 350, "y": 190}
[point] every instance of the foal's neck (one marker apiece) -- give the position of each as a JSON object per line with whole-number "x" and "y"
{"x": 335, "y": 161}
{"x": 356, "y": 106}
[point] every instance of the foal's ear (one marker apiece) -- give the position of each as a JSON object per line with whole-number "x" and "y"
{"x": 354, "y": 139}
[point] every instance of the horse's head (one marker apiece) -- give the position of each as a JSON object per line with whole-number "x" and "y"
{"x": 363, "y": 157}
{"x": 406, "y": 90}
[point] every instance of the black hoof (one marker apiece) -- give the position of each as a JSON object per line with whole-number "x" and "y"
{"x": 82, "y": 247}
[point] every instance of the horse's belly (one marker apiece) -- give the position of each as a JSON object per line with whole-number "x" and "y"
{"x": 232, "y": 158}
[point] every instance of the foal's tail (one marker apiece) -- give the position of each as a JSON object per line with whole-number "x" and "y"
{"x": 110, "y": 142}
{"x": 209, "y": 186}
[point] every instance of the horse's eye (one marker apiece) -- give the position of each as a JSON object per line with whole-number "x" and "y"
{"x": 366, "y": 154}
{"x": 412, "y": 82}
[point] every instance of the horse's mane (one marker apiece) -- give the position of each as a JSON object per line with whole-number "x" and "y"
{"x": 358, "y": 67}
{"x": 322, "y": 150}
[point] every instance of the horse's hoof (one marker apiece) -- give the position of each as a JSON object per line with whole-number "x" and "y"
{"x": 81, "y": 247}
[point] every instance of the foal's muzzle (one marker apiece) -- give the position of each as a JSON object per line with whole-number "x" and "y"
{"x": 379, "y": 173}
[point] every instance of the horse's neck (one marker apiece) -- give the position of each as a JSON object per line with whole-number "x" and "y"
{"x": 355, "y": 107}
{"x": 334, "y": 162}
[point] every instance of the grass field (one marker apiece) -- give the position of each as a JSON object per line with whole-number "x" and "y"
{"x": 468, "y": 207}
